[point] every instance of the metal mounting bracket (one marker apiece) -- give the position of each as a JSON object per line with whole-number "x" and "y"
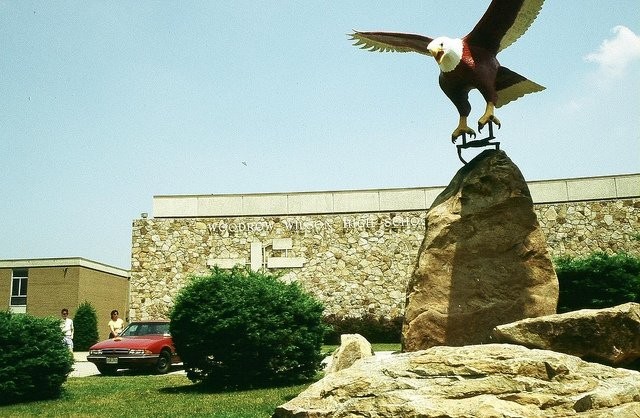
{"x": 478, "y": 143}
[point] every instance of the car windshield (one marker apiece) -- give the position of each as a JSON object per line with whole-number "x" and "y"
{"x": 137, "y": 329}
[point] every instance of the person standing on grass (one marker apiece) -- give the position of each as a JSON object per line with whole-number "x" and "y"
{"x": 67, "y": 328}
{"x": 115, "y": 324}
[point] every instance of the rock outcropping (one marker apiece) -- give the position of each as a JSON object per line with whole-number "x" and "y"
{"x": 353, "y": 347}
{"x": 610, "y": 336}
{"x": 483, "y": 261}
{"x": 492, "y": 380}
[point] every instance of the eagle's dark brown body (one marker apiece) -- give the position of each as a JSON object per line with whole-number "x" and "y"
{"x": 477, "y": 70}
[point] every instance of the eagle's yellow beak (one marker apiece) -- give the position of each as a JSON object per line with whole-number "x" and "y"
{"x": 436, "y": 53}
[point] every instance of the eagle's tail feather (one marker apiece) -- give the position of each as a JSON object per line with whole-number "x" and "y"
{"x": 511, "y": 86}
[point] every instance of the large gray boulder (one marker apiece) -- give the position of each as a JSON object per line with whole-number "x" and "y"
{"x": 483, "y": 261}
{"x": 492, "y": 380}
{"x": 609, "y": 336}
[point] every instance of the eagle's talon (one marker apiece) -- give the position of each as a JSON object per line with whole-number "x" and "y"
{"x": 462, "y": 129}
{"x": 486, "y": 118}
{"x": 455, "y": 138}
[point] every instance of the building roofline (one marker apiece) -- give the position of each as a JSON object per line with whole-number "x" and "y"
{"x": 378, "y": 200}
{"x": 530, "y": 182}
{"x": 64, "y": 262}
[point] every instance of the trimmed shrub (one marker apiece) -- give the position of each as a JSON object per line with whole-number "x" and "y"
{"x": 376, "y": 329}
{"x": 238, "y": 328}
{"x": 34, "y": 360}
{"x": 597, "y": 281}
{"x": 85, "y": 324}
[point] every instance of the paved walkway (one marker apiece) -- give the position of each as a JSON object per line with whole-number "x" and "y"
{"x": 81, "y": 367}
{"x": 84, "y": 368}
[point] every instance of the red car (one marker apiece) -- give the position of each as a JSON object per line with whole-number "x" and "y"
{"x": 144, "y": 344}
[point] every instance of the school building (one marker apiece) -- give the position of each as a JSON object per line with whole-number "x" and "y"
{"x": 354, "y": 250}
{"x": 43, "y": 286}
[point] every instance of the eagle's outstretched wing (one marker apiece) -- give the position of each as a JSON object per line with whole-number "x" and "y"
{"x": 391, "y": 42}
{"x": 503, "y": 23}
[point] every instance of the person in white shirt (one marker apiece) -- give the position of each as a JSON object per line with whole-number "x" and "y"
{"x": 67, "y": 329}
{"x": 115, "y": 324}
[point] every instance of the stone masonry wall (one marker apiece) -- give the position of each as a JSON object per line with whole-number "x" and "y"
{"x": 357, "y": 264}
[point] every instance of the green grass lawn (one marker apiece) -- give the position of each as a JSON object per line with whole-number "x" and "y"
{"x": 152, "y": 396}
{"x": 170, "y": 395}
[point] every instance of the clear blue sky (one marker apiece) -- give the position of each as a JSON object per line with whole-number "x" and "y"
{"x": 104, "y": 104}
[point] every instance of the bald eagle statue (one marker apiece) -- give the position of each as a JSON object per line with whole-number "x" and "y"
{"x": 471, "y": 62}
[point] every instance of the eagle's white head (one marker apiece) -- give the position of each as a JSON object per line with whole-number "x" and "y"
{"x": 446, "y": 51}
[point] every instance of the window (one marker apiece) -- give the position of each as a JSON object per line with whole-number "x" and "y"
{"x": 19, "y": 287}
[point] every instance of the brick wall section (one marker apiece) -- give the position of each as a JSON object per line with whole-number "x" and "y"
{"x": 105, "y": 292}
{"x": 355, "y": 263}
{"x": 5, "y": 288}
{"x": 52, "y": 288}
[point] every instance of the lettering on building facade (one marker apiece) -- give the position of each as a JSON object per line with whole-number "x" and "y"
{"x": 302, "y": 226}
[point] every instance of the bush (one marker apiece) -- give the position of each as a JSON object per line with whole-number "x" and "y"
{"x": 597, "y": 281}
{"x": 238, "y": 328}
{"x": 376, "y": 329}
{"x": 34, "y": 361}
{"x": 85, "y": 324}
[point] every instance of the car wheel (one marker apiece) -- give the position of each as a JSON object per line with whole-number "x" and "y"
{"x": 164, "y": 362}
{"x": 107, "y": 370}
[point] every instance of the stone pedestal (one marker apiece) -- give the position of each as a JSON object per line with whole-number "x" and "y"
{"x": 483, "y": 261}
